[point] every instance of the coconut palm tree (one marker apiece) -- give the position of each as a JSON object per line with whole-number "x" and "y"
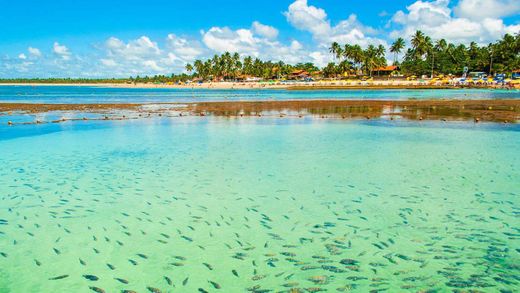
{"x": 373, "y": 57}
{"x": 343, "y": 67}
{"x": 420, "y": 44}
{"x": 357, "y": 55}
{"x": 248, "y": 65}
{"x": 189, "y": 68}
{"x": 396, "y": 48}
{"x": 199, "y": 67}
{"x": 441, "y": 45}
{"x": 334, "y": 49}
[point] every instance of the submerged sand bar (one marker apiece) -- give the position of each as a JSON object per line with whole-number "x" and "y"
{"x": 478, "y": 110}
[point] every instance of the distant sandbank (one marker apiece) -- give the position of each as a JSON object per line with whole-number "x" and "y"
{"x": 476, "y": 110}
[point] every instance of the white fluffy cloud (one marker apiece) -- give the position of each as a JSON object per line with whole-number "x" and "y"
{"x": 265, "y": 30}
{"x": 182, "y": 48}
{"x": 436, "y": 19}
{"x": 315, "y": 20}
{"x": 308, "y": 18}
{"x": 108, "y": 62}
{"x": 35, "y": 52}
{"x": 135, "y": 57}
{"x": 152, "y": 64}
{"x": 137, "y": 49}
{"x": 144, "y": 56}
{"x": 61, "y": 51}
{"x": 479, "y": 9}
{"x": 250, "y": 42}
{"x": 222, "y": 39}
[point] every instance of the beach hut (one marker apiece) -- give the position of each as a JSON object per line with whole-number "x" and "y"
{"x": 386, "y": 70}
{"x": 299, "y": 74}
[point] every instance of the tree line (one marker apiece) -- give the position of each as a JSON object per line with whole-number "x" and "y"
{"x": 231, "y": 66}
{"x": 426, "y": 56}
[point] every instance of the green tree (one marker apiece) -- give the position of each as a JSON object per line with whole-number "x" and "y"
{"x": 396, "y": 48}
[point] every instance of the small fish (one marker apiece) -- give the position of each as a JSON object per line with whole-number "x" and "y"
{"x": 348, "y": 261}
{"x": 154, "y": 290}
{"x": 377, "y": 245}
{"x": 59, "y": 277}
{"x": 38, "y": 263}
{"x": 208, "y": 266}
{"x": 121, "y": 280}
{"x": 91, "y": 277}
{"x": 235, "y": 273}
{"x": 258, "y": 277}
{"x": 82, "y": 262}
{"x": 202, "y": 290}
{"x": 56, "y": 251}
{"x": 96, "y": 289}
{"x": 215, "y": 285}
{"x": 187, "y": 238}
{"x": 168, "y": 280}
{"x": 185, "y": 282}
{"x": 111, "y": 266}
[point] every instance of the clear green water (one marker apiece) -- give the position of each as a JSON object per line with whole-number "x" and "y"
{"x": 341, "y": 206}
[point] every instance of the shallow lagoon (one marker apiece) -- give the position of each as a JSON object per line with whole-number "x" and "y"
{"x": 259, "y": 204}
{"x": 88, "y": 94}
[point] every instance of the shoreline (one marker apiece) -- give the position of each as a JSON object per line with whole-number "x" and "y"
{"x": 336, "y": 85}
{"x": 505, "y": 111}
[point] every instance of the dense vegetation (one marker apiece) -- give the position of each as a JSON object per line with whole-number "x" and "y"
{"x": 424, "y": 56}
{"x": 231, "y": 66}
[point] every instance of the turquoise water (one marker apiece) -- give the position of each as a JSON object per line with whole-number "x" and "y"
{"x": 259, "y": 205}
{"x": 70, "y": 94}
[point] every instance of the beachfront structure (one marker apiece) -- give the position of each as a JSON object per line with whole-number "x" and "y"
{"x": 299, "y": 74}
{"x": 386, "y": 70}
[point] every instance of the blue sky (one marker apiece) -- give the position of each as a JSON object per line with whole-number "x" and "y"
{"x": 122, "y": 38}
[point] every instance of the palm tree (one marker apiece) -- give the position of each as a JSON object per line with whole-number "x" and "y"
{"x": 334, "y": 49}
{"x": 236, "y": 64}
{"x": 248, "y": 65}
{"x": 396, "y": 48}
{"x": 189, "y": 68}
{"x": 330, "y": 70}
{"x": 358, "y": 55}
{"x": 491, "y": 49}
{"x": 380, "y": 50}
{"x": 420, "y": 44}
{"x": 347, "y": 52}
{"x": 344, "y": 66}
{"x": 339, "y": 54}
{"x": 199, "y": 67}
{"x": 373, "y": 57}
{"x": 207, "y": 69}
{"x": 417, "y": 39}
{"x": 441, "y": 45}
